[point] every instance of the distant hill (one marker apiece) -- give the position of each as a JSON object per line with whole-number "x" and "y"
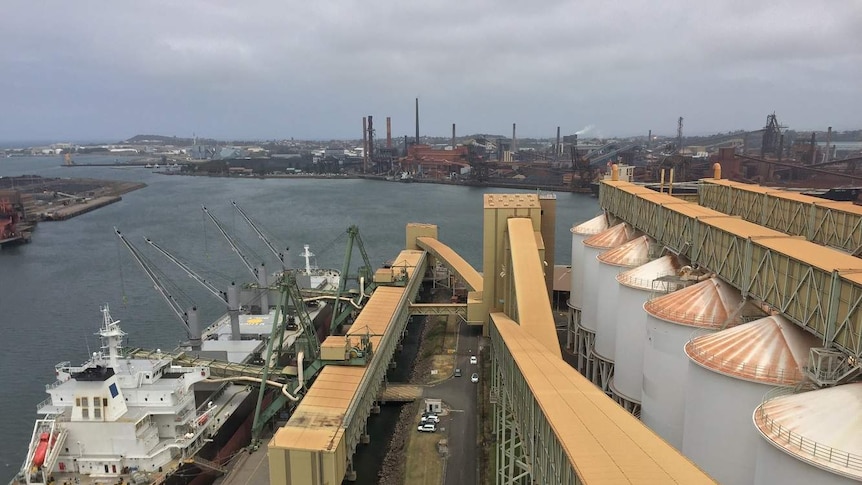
{"x": 167, "y": 140}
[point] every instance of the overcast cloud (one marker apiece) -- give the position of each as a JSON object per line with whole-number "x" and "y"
{"x": 80, "y": 69}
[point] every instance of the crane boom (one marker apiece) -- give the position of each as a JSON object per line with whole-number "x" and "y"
{"x": 260, "y": 235}
{"x": 232, "y": 243}
{"x": 221, "y": 295}
{"x": 259, "y": 275}
{"x": 159, "y": 287}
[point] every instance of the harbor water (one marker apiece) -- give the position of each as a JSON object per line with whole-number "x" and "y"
{"x": 51, "y": 289}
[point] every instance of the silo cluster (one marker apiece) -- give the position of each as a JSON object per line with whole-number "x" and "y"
{"x": 729, "y": 372}
{"x": 593, "y": 246}
{"x": 579, "y": 233}
{"x": 637, "y": 286}
{"x": 611, "y": 262}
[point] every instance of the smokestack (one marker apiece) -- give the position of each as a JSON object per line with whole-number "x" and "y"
{"x": 453, "y": 136}
{"x": 514, "y": 143}
{"x": 828, "y": 144}
{"x": 388, "y": 132}
{"x": 557, "y": 146}
{"x": 370, "y": 157}
{"x": 364, "y": 144}
{"x": 649, "y": 139}
{"x": 417, "y": 121}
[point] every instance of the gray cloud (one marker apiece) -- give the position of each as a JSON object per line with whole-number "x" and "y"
{"x": 267, "y": 69}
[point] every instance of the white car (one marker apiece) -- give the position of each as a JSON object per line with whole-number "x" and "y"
{"x": 474, "y": 377}
{"x": 431, "y": 418}
{"x": 474, "y": 359}
{"x": 427, "y": 428}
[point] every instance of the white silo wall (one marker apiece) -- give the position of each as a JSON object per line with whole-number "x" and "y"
{"x": 775, "y": 466}
{"x": 590, "y": 310}
{"x": 718, "y": 434}
{"x": 606, "y": 326}
{"x": 576, "y": 297}
{"x": 664, "y": 370}
{"x": 631, "y": 334}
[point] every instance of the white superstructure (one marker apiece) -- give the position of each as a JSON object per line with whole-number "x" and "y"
{"x": 118, "y": 419}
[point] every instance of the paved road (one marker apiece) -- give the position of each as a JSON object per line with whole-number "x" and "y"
{"x": 461, "y": 425}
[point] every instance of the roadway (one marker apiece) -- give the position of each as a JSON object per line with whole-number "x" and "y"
{"x": 462, "y": 423}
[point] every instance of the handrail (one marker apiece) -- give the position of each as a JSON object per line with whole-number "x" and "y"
{"x": 691, "y": 318}
{"x": 798, "y": 444}
{"x": 774, "y": 373}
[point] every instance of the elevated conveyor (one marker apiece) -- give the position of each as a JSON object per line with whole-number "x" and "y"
{"x": 552, "y": 424}
{"x": 453, "y": 261}
{"x": 816, "y": 287}
{"x": 317, "y": 444}
{"x": 823, "y": 221}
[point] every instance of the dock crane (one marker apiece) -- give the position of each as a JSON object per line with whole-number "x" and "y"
{"x": 290, "y": 308}
{"x": 341, "y": 309}
{"x": 188, "y": 317}
{"x": 231, "y": 296}
{"x": 259, "y": 274}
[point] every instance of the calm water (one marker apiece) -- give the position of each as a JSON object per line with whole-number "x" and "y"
{"x": 51, "y": 289}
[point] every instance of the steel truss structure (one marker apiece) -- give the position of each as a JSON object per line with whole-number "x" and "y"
{"x": 818, "y": 288}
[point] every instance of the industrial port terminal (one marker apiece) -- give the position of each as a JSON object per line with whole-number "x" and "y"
{"x": 713, "y": 333}
{"x": 768, "y": 281}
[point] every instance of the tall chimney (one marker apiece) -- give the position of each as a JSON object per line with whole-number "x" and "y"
{"x": 370, "y": 157}
{"x": 364, "y": 144}
{"x": 417, "y": 121}
{"x": 557, "y": 146}
{"x": 514, "y": 142}
{"x": 388, "y": 132}
{"x": 453, "y": 136}
{"x": 649, "y": 140}
{"x": 828, "y": 145}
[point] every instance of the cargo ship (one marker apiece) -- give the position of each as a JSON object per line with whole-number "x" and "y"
{"x": 121, "y": 418}
{"x": 116, "y": 418}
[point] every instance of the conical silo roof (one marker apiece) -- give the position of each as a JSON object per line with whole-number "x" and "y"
{"x": 771, "y": 350}
{"x": 610, "y": 237}
{"x": 630, "y": 254}
{"x": 649, "y": 276}
{"x": 819, "y": 427}
{"x": 593, "y": 226}
{"x": 711, "y": 303}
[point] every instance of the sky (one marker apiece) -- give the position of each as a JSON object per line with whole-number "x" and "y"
{"x": 276, "y": 69}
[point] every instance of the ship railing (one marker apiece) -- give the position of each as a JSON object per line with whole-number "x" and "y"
{"x": 44, "y": 403}
{"x": 182, "y": 415}
{"x": 798, "y": 444}
{"x": 52, "y": 385}
{"x": 773, "y": 373}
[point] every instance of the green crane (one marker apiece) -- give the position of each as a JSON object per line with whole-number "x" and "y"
{"x": 342, "y": 310}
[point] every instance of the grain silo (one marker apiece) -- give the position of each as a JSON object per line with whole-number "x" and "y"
{"x": 636, "y": 286}
{"x": 812, "y": 437}
{"x": 611, "y": 262}
{"x": 579, "y": 233}
{"x": 672, "y": 320}
{"x": 593, "y": 246}
{"x": 729, "y": 373}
